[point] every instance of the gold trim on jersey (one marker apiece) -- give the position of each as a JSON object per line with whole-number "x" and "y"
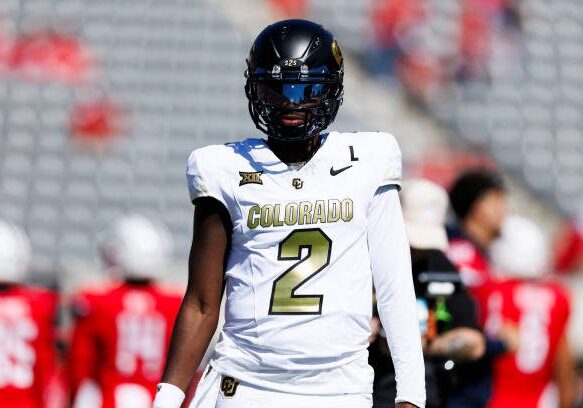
{"x": 302, "y": 213}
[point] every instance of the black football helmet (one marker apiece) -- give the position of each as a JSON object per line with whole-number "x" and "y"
{"x": 294, "y": 80}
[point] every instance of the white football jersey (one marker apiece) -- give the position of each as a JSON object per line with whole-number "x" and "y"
{"x": 298, "y": 278}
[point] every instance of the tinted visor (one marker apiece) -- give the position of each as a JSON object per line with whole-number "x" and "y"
{"x": 281, "y": 93}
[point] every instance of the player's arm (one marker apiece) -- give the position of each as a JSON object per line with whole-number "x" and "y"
{"x": 199, "y": 313}
{"x": 564, "y": 374}
{"x": 464, "y": 342}
{"x": 391, "y": 267}
{"x": 459, "y": 344}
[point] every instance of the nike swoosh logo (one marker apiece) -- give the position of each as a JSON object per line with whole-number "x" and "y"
{"x": 336, "y": 172}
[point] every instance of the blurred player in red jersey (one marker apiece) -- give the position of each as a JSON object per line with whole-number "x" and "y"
{"x": 122, "y": 329}
{"x": 27, "y": 331}
{"x": 540, "y": 309}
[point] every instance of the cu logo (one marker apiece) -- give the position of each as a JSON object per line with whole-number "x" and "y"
{"x": 297, "y": 183}
{"x": 229, "y": 386}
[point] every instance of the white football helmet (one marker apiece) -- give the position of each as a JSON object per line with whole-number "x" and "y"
{"x": 14, "y": 253}
{"x": 522, "y": 250}
{"x": 136, "y": 247}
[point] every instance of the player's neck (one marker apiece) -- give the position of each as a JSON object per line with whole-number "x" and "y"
{"x": 299, "y": 151}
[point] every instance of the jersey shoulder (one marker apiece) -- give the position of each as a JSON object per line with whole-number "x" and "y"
{"x": 37, "y": 292}
{"x": 169, "y": 292}
{"x": 211, "y": 156}
{"x": 224, "y": 157}
{"x": 211, "y": 171}
{"x": 40, "y": 299}
{"x": 97, "y": 290}
{"x": 372, "y": 144}
{"x": 380, "y": 151}
{"x": 463, "y": 252}
{"x": 88, "y": 299}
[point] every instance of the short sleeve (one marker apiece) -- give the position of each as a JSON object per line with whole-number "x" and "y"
{"x": 203, "y": 179}
{"x": 389, "y": 161}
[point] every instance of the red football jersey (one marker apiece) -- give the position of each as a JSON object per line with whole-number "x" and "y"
{"x": 27, "y": 346}
{"x": 470, "y": 261}
{"x": 120, "y": 339}
{"x": 540, "y": 310}
{"x": 474, "y": 269}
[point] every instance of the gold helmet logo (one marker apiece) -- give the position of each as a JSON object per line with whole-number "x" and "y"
{"x": 336, "y": 53}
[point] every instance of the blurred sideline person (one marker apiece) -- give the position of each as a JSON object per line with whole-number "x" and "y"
{"x": 478, "y": 200}
{"x": 540, "y": 308}
{"x": 447, "y": 320}
{"x": 297, "y": 227}
{"x": 122, "y": 329}
{"x": 28, "y": 362}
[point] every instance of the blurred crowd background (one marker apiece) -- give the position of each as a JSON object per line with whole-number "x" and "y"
{"x": 101, "y": 101}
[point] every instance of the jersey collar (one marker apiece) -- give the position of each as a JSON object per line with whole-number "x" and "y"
{"x": 264, "y": 157}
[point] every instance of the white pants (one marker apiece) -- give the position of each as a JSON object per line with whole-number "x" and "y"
{"x": 209, "y": 395}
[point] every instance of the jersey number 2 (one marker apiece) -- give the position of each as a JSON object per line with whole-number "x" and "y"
{"x": 284, "y": 300}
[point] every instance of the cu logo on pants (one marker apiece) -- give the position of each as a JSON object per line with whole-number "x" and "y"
{"x": 229, "y": 386}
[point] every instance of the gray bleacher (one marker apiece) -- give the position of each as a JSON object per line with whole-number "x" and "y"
{"x": 175, "y": 65}
{"x": 531, "y": 113}
{"x": 347, "y": 19}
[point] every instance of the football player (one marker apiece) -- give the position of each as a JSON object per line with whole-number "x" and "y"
{"x": 540, "y": 309}
{"x": 122, "y": 329}
{"x": 28, "y": 367}
{"x": 298, "y": 227}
